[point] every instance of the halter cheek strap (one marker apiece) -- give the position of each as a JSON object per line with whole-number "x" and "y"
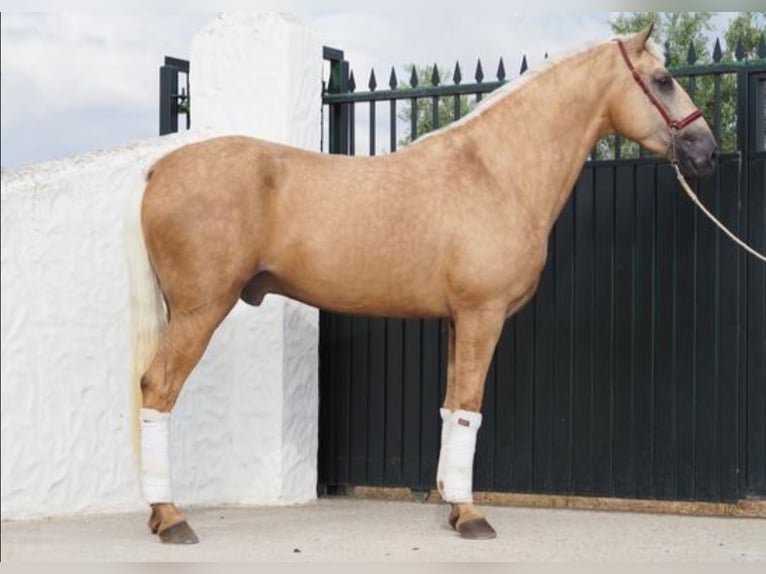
{"x": 674, "y": 125}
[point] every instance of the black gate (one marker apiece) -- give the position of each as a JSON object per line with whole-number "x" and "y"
{"x": 639, "y": 369}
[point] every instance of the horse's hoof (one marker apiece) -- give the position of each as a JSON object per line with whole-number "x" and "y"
{"x": 180, "y": 533}
{"x": 453, "y": 519}
{"x": 476, "y": 529}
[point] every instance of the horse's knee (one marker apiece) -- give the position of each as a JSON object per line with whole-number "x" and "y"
{"x": 156, "y": 393}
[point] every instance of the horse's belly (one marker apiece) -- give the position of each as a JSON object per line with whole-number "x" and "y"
{"x": 365, "y": 290}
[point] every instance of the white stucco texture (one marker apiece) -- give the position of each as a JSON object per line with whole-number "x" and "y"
{"x": 280, "y": 101}
{"x": 244, "y": 430}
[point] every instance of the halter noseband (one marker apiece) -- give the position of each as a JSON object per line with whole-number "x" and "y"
{"x": 674, "y": 125}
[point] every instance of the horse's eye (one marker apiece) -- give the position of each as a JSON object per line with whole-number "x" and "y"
{"x": 664, "y": 81}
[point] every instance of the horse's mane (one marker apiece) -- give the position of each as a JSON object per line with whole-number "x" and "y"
{"x": 494, "y": 97}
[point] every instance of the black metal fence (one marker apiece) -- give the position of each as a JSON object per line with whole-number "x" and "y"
{"x": 639, "y": 369}
{"x": 172, "y": 102}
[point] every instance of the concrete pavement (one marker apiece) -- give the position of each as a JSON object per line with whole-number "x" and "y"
{"x": 348, "y": 529}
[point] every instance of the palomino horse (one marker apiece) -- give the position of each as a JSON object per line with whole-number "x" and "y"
{"x": 463, "y": 235}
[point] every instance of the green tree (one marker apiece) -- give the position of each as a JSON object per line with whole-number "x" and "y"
{"x": 747, "y": 27}
{"x": 424, "y": 106}
{"x": 675, "y": 30}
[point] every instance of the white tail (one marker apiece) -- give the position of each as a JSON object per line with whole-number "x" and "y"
{"x": 147, "y": 305}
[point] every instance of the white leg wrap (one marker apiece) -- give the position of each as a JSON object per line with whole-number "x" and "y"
{"x": 155, "y": 456}
{"x": 454, "y": 476}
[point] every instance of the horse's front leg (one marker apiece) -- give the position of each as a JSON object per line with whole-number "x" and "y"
{"x": 472, "y": 340}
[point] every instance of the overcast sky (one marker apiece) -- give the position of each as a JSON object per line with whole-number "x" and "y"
{"x": 74, "y": 83}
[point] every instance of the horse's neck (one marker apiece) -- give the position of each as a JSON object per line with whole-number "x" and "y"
{"x": 548, "y": 126}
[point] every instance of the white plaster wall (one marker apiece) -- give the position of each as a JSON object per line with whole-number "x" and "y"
{"x": 272, "y": 63}
{"x": 245, "y": 427}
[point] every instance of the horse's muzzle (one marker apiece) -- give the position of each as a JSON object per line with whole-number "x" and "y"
{"x": 697, "y": 155}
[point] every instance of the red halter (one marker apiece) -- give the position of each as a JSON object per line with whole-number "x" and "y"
{"x": 674, "y": 125}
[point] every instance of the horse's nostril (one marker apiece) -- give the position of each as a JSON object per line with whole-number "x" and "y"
{"x": 714, "y": 153}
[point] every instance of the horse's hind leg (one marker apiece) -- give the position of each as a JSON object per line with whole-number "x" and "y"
{"x": 181, "y": 347}
{"x": 473, "y": 337}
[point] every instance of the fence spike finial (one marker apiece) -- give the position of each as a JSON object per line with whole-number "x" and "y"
{"x": 739, "y": 51}
{"x": 762, "y": 46}
{"x": 691, "y": 54}
{"x": 501, "y": 70}
{"x": 457, "y": 76}
{"x": 373, "y": 83}
{"x": 435, "y": 78}
{"x": 351, "y": 82}
{"x": 479, "y": 72}
{"x": 717, "y": 52}
{"x": 414, "y": 77}
{"x": 524, "y": 65}
{"x": 392, "y": 81}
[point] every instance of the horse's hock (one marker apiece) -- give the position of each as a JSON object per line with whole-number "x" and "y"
{"x": 245, "y": 430}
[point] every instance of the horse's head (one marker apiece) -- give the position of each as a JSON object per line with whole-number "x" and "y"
{"x": 650, "y": 107}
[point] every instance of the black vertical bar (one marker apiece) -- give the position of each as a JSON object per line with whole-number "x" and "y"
{"x": 706, "y": 307}
{"x": 168, "y": 102}
{"x": 603, "y": 338}
{"x": 327, "y": 402}
{"x": 188, "y": 100}
{"x": 505, "y": 404}
{"x": 729, "y": 335}
{"x": 484, "y": 464}
{"x": 623, "y": 457}
{"x": 376, "y": 406}
{"x": 582, "y": 454}
{"x": 664, "y": 383}
{"x": 544, "y": 358}
{"x": 435, "y": 113}
{"x": 757, "y": 111}
{"x": 412, "y": 383}
{"x": 394, "y": 381}
{"x": 359, "y": 398}
{"x": 717, "y": 109}
{"x": 743, "y": 94}
{"x": 429, "y": 413}
{"x": 343, "y": 382}
{"x": 455, "y": 108}
{"x": 413, "y": 119}
{"x": 563, "y": 256}
{"x": 392, "y": 128}
{"x": 523, "y": 407}
{"x": 684, "y": 341}
{"x": 351, "y": 128}
{"x": 372, "y": 128}
{"x": 755, "y": 482}
{"x": 643, "y": 330}
{"x": 338, "y": 118}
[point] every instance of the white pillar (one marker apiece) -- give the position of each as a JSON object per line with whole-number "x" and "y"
{"x": 260, "y": 75}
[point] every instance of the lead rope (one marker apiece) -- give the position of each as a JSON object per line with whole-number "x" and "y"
{"x": 723, "y": 228}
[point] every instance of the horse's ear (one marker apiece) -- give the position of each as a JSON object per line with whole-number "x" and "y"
{"x": 639, "y": 40}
